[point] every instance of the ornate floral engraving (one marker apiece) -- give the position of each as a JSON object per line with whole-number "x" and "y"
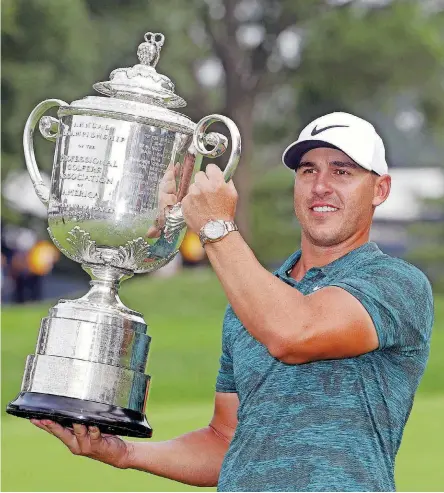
{"x": 132, "y": 255}
{"x": 83, "y": 248}
{"x": 174, "y": 222}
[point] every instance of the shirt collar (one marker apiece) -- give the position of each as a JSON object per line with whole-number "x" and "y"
{"x": 353, "y": 257}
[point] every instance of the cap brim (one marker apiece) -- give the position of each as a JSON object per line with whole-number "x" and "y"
{"x": 293, "y": 154}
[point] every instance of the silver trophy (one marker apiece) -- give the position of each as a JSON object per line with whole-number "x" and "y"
{"x": 122, "y": 165}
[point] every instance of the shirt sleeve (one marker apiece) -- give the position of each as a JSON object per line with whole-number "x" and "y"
{"x": 399, "y": 300}
{"x": 225, "y": 378}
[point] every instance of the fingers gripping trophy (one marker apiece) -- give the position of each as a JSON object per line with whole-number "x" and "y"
{"x": 122, "y": 164}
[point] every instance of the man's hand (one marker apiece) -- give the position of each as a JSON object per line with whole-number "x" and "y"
{"x": 194, "y": 458}
{"x": 90, "y": 442}
{"x": 167, "y": 197}
{"x": 209, "y": 198}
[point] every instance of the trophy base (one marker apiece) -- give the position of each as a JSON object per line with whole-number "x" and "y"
{"x": 67, "y": 410}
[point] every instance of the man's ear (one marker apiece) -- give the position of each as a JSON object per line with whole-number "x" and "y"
{"x": 382, "y": 188}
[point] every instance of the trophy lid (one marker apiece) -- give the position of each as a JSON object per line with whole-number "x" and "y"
{"x": 142, "y": 82}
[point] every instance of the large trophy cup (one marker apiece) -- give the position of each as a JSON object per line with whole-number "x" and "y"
{"x": 111, "y": 208}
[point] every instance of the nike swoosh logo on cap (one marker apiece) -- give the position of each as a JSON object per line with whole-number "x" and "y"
{"x": 317, "y": 131}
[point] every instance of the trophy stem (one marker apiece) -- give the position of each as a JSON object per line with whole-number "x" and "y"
{"x": 105, "y": 284}
{"x": 107, "y": 273}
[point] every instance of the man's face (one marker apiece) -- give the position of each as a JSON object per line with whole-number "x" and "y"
{"x": 334, "y": 198}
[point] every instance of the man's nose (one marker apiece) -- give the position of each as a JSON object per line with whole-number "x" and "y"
{"x": 322, "y": 184}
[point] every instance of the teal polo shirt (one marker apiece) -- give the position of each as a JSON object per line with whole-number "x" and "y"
{"x": 331, "y": 425}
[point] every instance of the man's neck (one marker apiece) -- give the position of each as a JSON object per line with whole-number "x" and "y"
{"x": 318, "y": 256}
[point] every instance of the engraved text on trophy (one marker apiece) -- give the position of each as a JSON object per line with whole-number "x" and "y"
{"x": 107, "y": 167}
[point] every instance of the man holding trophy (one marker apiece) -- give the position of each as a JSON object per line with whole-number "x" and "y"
{"x": 320, "y": 359}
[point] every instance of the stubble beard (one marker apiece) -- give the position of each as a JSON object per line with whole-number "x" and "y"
{"x": 323, "y": 236}
{"x": 326, "y": 238}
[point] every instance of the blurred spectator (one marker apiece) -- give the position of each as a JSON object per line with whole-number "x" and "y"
{"x": 27, "y": 287}
{"x": 25, "y": 262}
{"x": 42, "y": 257}
{"x": 192, "y": 251}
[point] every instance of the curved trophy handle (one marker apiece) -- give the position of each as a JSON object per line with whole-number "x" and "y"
{"x": 200, "y": 139}
{"x": 174, "y": 221}
{"x": 48, "y": 127}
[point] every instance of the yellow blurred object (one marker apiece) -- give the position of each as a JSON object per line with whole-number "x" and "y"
{"x": 42, "y": 257}
{"x": 191, "y": 249}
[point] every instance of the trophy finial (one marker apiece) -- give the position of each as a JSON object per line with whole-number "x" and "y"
{"x": 142, "y": 82}
{"x": 149, "y": 51}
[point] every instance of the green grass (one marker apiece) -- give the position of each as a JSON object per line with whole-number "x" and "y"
{"x": 185, "y": 315}
{"x": 419, "y": 464}
{"x": 35, "y": 461}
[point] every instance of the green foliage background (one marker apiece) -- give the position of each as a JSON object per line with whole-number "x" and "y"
{"x": 371, "y": 60}
{"x": 364, "y": 60}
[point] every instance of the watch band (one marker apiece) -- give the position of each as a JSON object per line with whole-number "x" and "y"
{"x": 229, "y": 226}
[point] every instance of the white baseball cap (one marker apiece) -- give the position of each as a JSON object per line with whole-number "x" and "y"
{"x": 350, "y": 134}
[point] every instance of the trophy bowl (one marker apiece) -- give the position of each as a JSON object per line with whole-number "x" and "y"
{"x": 122, "y": 165}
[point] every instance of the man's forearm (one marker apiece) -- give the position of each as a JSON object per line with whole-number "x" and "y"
{"x": 194, "y": 458}
{"x": 268, "y": 308}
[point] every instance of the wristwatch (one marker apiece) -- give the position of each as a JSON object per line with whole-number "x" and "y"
{"x": 214, "y": 231}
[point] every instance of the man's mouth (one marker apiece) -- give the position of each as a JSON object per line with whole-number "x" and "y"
{"x": 324, "y": 208}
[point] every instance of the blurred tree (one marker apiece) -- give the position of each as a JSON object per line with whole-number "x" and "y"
{"x": 426, "y": 244}
{"x": 271, "y": 65}
{"x": 354, "y": 53}
{"x": 43, "y": 57}
{"x": 275, "y": 229}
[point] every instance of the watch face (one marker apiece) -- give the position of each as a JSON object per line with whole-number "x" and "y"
{"x": 214, "y": 230}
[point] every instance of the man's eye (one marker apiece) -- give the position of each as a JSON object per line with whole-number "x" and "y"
{"x": 342, "y": 172}
{"x": 308, "y": 170}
